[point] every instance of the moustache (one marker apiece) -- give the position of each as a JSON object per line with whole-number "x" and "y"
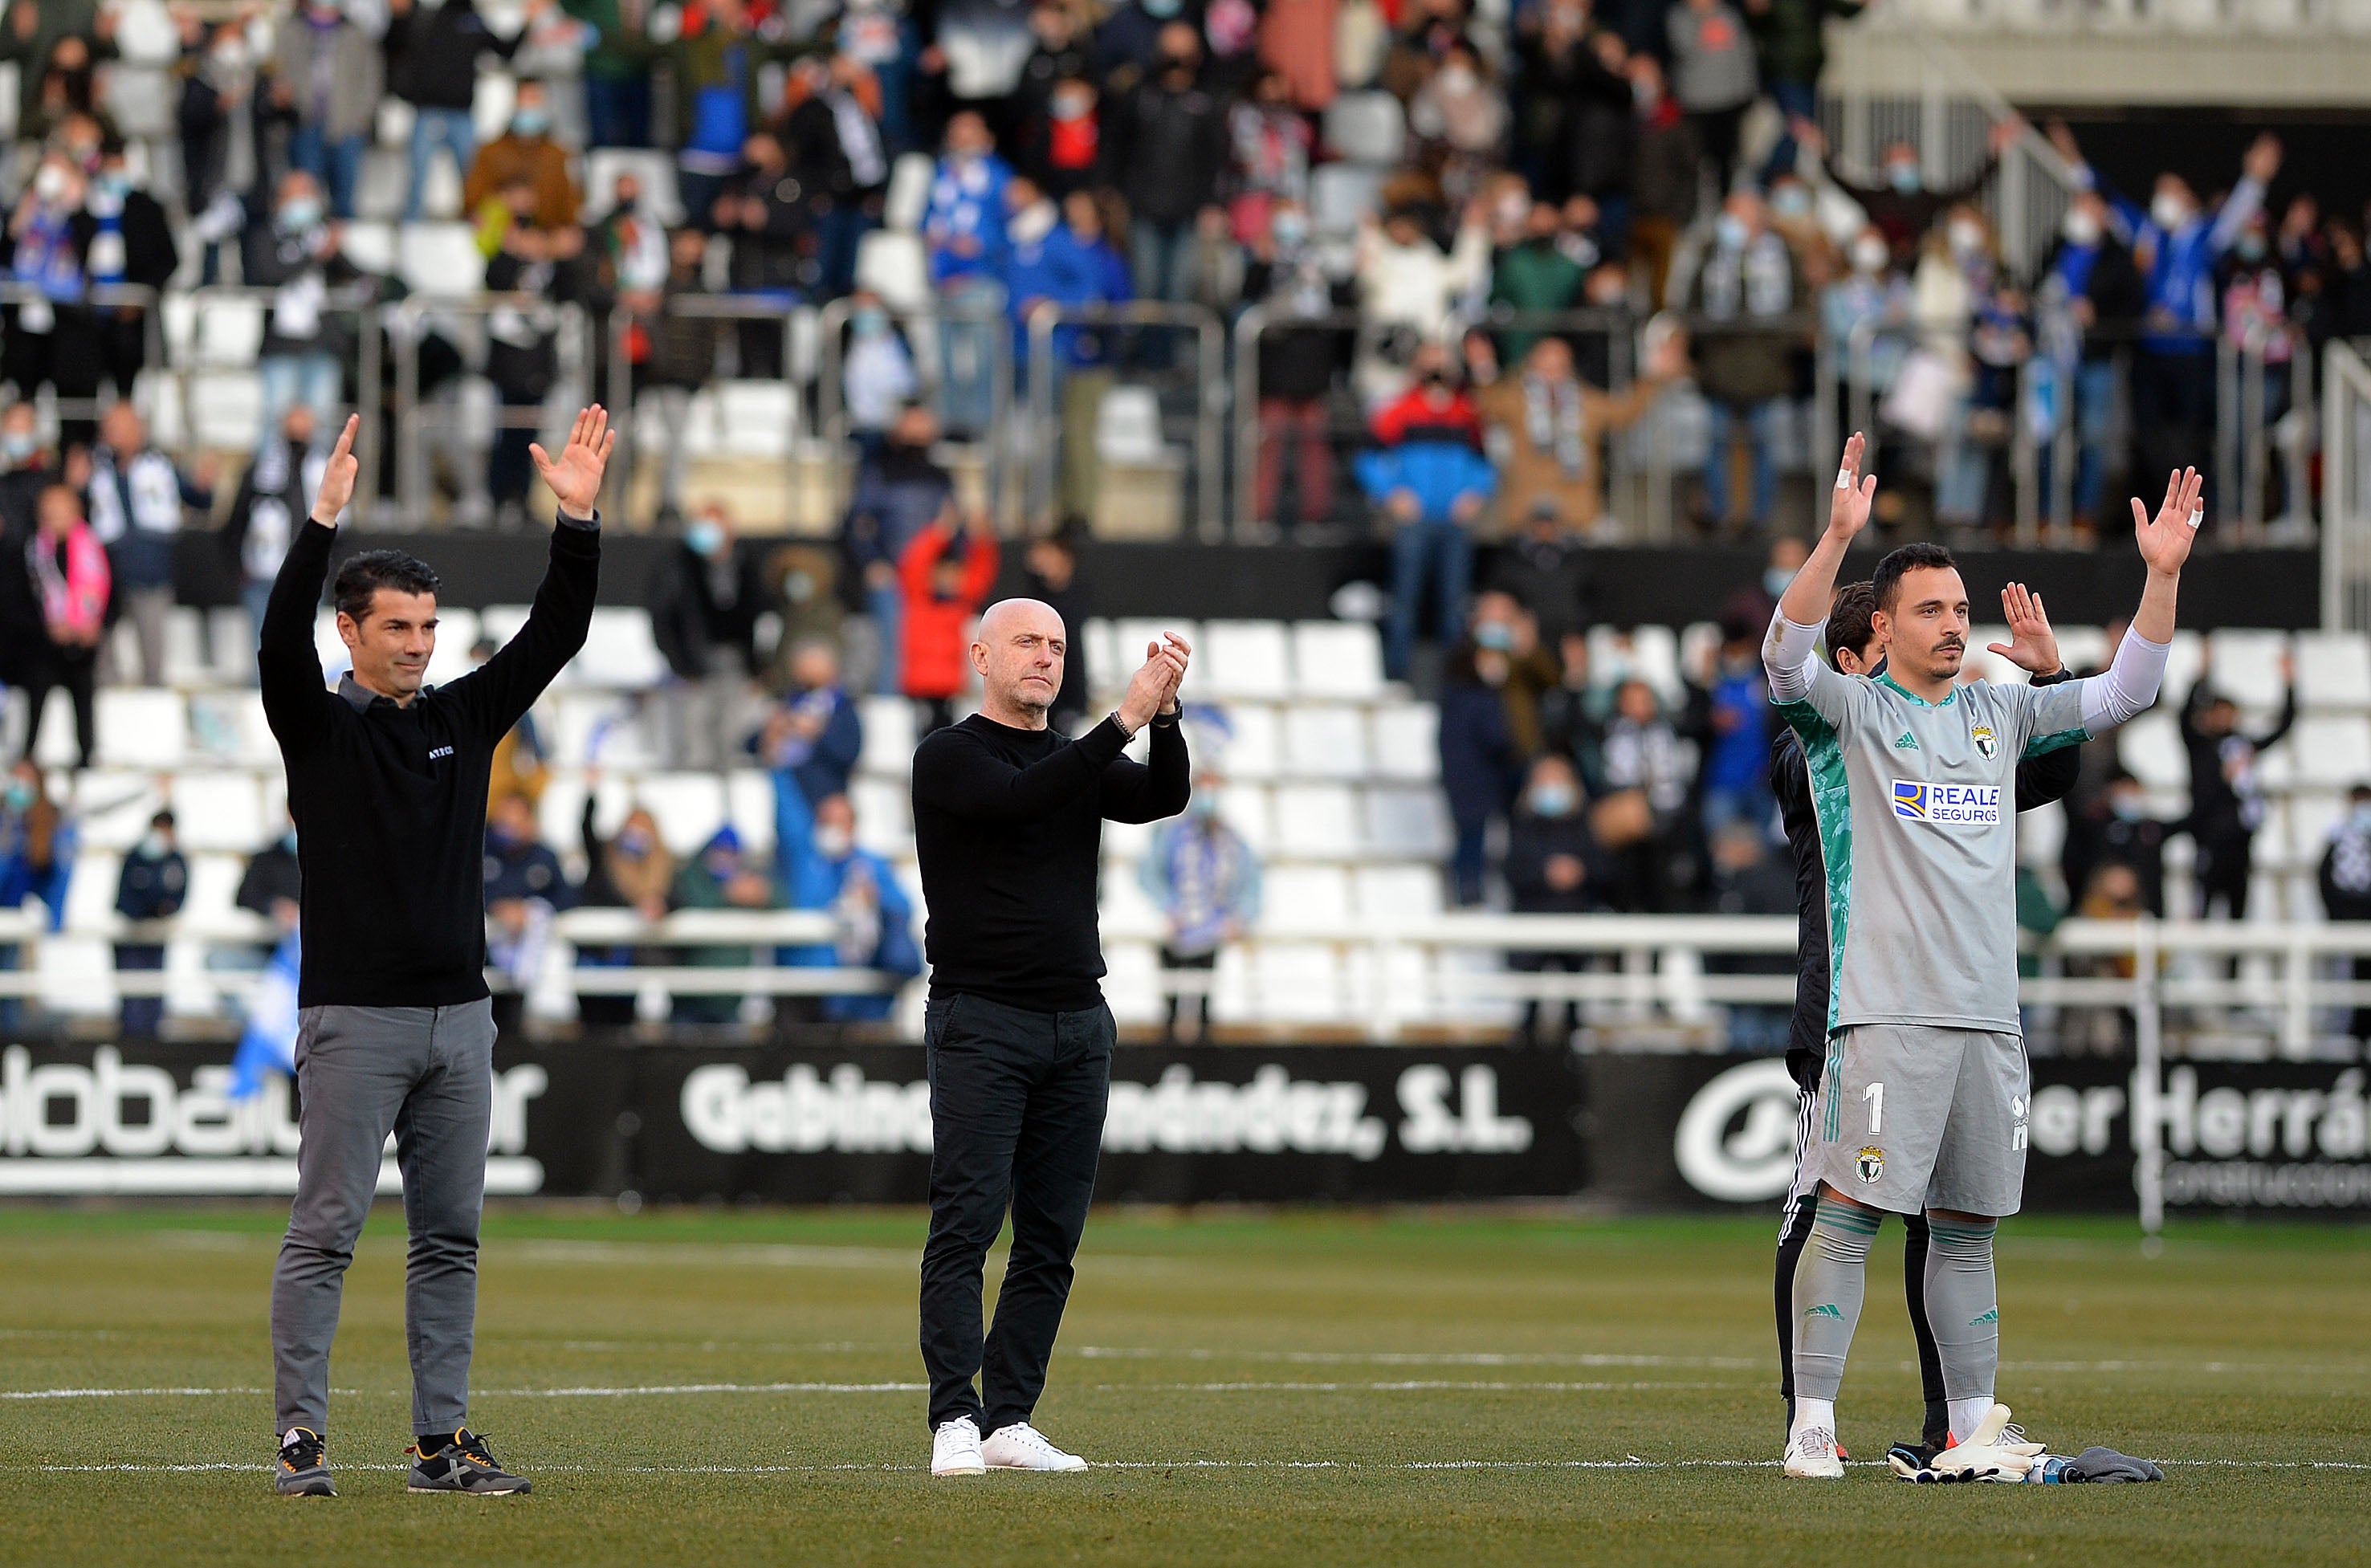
{"x": 1953, "y": 642}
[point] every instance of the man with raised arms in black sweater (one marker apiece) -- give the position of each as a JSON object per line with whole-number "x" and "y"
{"x": 386, "y": 785}
{"x": 1008, "y": 824}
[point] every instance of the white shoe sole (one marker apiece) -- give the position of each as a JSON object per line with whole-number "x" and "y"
{"x": 1042, "y": 1470}
{"x": 1798, "y": 1473}
{"x": 975, "y": 1468}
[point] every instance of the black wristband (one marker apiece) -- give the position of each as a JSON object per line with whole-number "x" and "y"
{"x": 1169, "y": 721}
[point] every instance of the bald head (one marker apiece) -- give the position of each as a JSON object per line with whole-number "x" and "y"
{"x": 1018, "y": 651}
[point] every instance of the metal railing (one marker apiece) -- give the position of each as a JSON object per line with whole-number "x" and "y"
{"x": 573, "y": 932}
{"x": 921, "y": 334}
{"x": 1046, "y": 432}
{"x": 2345, "y": 489}
{"x": 418, "y": 417}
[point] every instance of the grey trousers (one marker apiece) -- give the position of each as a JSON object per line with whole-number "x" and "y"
{"x": 426, "y": 1074}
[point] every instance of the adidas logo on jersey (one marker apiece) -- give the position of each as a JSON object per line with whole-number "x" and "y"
{"x": 1907, "y": 743}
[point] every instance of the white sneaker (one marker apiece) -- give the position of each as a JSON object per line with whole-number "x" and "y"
{"x": 1811, "y": 1456}
{"x": 955, "y": 1449}
{"x": 1023, "y": 1447}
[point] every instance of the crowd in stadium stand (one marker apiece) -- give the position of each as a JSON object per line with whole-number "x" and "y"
{"x": 1565, "y": 158}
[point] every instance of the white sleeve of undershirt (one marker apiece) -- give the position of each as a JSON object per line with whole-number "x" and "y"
{"x": 2129, "y": 687}
{"x": 1790, "y": 655}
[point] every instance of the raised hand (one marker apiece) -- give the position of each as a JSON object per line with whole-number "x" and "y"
{"x": 2165, "y": 539}
{"x": 575, "y": 479}
{"x": 2033, "y": 647}
{"x": 1178, "y": 652}
{"x": 338, "y": 477}
{"x": 1848, "y": 511}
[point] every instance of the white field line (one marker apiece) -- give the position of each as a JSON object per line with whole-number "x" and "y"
{"x": 1551, "y": 1358}
{"x": 633, "y": 1390}
{"x": 1630, "y": 1462}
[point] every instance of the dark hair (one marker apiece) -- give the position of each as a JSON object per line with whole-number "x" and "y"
{"x": 1848, "y": 619}
{"x": 367, "y": 572}
{"x": 1904, "y": 559}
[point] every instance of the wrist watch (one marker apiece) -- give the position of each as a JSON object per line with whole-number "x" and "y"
{"x": 1167, "y": 718}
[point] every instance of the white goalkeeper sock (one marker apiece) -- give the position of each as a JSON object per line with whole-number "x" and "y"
{"x": 1809, "y": 1413}
{"x": 1966, "y": 1414}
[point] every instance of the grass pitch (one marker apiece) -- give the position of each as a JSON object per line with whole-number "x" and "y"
{"x": 713, "y": 1388}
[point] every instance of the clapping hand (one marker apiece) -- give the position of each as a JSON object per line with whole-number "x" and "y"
{"x": 575, "y": 479}
{"x": 1154, "y": 689}
{"x": 2033, "y": 647}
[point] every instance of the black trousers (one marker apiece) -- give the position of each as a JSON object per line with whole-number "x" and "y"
{"x": 1792, "y": 1240}
{"x": 1199, "y": 1002}
{"x": 1016, "y": 1121}
{"x": 78, "y": 673}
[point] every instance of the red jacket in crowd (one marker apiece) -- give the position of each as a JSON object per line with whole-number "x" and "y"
{"x": 937, "y": 631}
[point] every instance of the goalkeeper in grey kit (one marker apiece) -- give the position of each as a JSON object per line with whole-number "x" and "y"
{"x": 1923, "y": 1094}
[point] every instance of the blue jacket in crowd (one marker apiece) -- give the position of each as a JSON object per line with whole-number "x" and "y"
{"x": 1068, "y": 271}
{"x": 1438, "y": 469}
{"x": 966, "y": 203}
{"x": 2180, "y": 276}
{"x": 817, "y": 881}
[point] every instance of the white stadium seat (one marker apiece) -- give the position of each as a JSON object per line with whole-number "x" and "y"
{"x": 889, "y": 737}
{"x": 885, "y": 815}
{"x": 1251, "y": 747}
{"x": 2330, "y": 750}
{"x": 440, "y": 259}
{"x": 1317, "y": 822}
{"x": 1343, "y": 660}
{"x": 226, "y": 408}
{"x": 1407, "y": 824}
{"x": 141, "y": 727}
{"x": 896, "y": 267}
{"x": 1367, "y": 128}
{"x": 1250, "y": 810}
{"x": 1304, "y": 900}
{"x": 1103, "y": 667}
{"x": 114, "y": 807}
{"x": 1389, "y": 893}
{"x": 219, "y": 811}
{"x": 456, "y": 633}
{"x": 1408, "y": 741}
{"x": 1342, "y": 193}
{"x": 2333, "y": 669}
{"x": 908, "y": 196}
{"x": 2183, "y": 660}
{"x": 1244, "y": 659}
{"x": 1131, "y": 636}
{"x": 229, "y": 331}
{"x": 756, "y": 419}
{"x": 2150, "y": 747}
{"x": 1299, "y": 982}
{"x": 1324, "y": 742}
{"x": 2246, "y": 666}
{"x": 690, "y": 807}
{"x": 370, "y": 245}
{"x": 621, "y": 653}
{"x": 653, "y": 169}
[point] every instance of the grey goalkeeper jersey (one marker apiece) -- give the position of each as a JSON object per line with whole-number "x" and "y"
{"x": 1916, "y": 804}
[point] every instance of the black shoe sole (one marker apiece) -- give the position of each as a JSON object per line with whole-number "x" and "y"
{"x": 523, "y": 1488}
{"x": 323, "y": 1487}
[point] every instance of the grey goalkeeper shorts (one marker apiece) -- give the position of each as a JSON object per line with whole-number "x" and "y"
{"x": 1913, "y": 1118}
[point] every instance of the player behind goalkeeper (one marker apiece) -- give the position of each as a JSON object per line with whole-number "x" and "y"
{"x": 1923, "y": 1091}
{"x": 1852, "y": 648}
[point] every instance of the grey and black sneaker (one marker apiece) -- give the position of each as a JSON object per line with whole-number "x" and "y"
{"x": 304, "y": 1466}
{"x": 461, "y": 1464}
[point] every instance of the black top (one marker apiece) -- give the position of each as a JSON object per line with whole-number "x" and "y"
{"x": 389, "y": 802}
{"x": 2040, "y": 780}
{"x": 1008, "y": 824}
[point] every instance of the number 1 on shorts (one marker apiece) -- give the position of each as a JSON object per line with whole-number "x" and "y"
{"x": 1875, "y": 1095}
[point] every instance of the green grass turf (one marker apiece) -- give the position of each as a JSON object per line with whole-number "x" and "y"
{"x": 1301, "y": 1388}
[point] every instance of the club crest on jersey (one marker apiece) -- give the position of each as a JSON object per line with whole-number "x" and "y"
{"x": 1987, "y": 743}
{"x": 1869, "y": 1165}
{"x": 1947, "y": 805}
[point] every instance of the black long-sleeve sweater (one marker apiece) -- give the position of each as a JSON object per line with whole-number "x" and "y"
{"x": 389, "y": 800}
{"x": 1008, "y": 824}
{"x": 2040, "y": 780}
